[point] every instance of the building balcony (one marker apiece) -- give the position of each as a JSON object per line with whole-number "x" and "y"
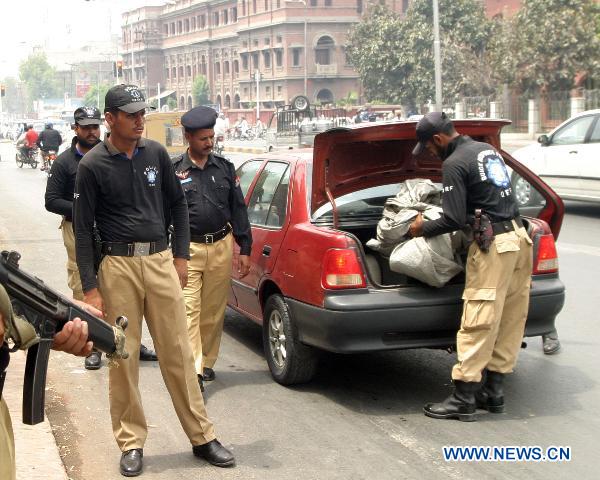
{"x": 327, "y": 70}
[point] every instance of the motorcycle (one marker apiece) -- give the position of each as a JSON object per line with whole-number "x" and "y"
{"x": 47, "y": 160}
{"x": 219, "y": 144}
{"x": 30, "y": 158}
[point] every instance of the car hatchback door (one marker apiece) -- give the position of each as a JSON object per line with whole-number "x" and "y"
{"x": 268, "y": 215}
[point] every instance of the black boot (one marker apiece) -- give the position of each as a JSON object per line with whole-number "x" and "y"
{"x": 490, "y": 396}
{"x": 459, "y": 405}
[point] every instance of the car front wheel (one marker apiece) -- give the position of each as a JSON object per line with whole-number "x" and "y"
{"x": 290, "y": 361}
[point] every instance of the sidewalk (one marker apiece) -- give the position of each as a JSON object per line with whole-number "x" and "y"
{"x": 35, "y": 446}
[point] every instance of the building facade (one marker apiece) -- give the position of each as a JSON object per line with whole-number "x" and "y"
{"x": 250, "y": 51}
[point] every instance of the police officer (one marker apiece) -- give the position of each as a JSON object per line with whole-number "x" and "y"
{"x": 217, "y": 215}
{"x": 59, "y": 200}
{"x": 125, "y": 185}
{"x": 496, "y": 295}
{"x": 71, "y": 339}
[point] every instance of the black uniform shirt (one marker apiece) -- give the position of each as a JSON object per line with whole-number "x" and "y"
{"x": 214, "y": 198}
{"x": 49, "y": 139}
{"x": 127, "y": 198}
{"x": 474, "y": 176}
{"x": 61, "y": 182}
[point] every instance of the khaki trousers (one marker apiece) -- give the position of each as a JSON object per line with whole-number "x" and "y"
{"x": 496, "y": 302}
{"x": 209, "y": 279}
{"x": 7, "y": 445}
{"x": 149, "y": 287}
{"x": 74, "y": 280}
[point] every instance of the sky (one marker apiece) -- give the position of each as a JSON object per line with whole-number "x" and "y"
{"x": 58, "y": 25}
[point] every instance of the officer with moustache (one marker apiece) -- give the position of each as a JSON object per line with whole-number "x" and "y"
{"x": 59, "y": 200}
{"x": 218, "y": 215}
{"x": 127, "y": 186}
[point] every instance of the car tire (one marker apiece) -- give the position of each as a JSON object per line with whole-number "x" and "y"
{"x": 290, "y": 361}
{"x": 525, "y": 195}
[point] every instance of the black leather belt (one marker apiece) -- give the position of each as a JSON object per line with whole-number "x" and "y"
{"x": 2, "y": 377}
{"x": 506, "y": 226}
{"x": 135, "y": 249}
{"x": 212, "y": 237}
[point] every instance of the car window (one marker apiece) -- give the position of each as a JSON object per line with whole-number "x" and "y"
{"x": 595, "y": 136}
{"x": 267, "y": 193}
{"x": 366, "y": 204}
{"x": 574, "y": 132}
{"x": 246, "y": 173}
{"x": 278, "y": 208}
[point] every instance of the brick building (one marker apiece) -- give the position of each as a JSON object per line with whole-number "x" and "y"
{"x": 294, "y": 46}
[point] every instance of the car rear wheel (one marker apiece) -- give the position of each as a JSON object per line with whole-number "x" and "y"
{"x": 525, "y": 194}
{"x": 289, "y": 360}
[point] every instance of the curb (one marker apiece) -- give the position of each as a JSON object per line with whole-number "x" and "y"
{"x": 244, "y": 150}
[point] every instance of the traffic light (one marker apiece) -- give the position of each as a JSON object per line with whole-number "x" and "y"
{"x": 119, "y": 68}
{"x": 2, "y": 91}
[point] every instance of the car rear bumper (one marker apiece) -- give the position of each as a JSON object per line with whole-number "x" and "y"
{"x": 408, "y": 317}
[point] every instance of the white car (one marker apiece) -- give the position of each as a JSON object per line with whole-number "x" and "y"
{"x": 567, "y": 159}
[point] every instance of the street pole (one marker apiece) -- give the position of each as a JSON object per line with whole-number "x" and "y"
{"x": 158, "y": 95}
{"x": 437, "y": 56}
{"x": 305, "y": 52}
{"x": 98, "y": 86}
{"x": 257, "y": 78}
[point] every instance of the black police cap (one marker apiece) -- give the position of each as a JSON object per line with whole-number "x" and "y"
{"x": 431, "y": 124}
{"x": 199, "y": 118}
{"x": 87, "y": 116}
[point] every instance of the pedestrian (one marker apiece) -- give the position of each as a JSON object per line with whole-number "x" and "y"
{"x": 59, "y": 200}
{"x": 125, "y": 184}
{"x": 217, "y": 214}
{"x": 496, "y": 294}
{"x": 71, "y": 339}
{"x": 48, "y": 140}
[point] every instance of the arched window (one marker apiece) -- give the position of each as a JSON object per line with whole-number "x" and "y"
{"x": 324, "y": 50}
{"x": 182, "y": 103}
{"x": 189, "y": 102}
{"x": 324, "y": 96}
{"x": 236, "y": 101}
{"x": 227, "y": 101}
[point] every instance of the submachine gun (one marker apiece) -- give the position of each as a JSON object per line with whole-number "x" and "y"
{"x": 48, "y": 311}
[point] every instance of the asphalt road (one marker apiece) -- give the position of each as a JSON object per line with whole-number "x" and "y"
{"x": 361, "y": 418}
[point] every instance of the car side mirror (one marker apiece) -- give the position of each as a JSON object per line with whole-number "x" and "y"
{"x": 544, "y": 140}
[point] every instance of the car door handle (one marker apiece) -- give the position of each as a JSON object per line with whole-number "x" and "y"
{"x": 573, "y": 151}
{"x": 266, "y": 250}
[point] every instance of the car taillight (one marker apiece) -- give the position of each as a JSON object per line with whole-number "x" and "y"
{"x": 341, "y": 269}
{"x": 547, "y": 259}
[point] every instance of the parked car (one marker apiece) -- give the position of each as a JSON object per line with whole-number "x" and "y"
{"x": 567, "y": 159}
{"x": 314, "y": 285}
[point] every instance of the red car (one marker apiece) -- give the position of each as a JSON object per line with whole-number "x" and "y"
{"x": 313, "y": 285}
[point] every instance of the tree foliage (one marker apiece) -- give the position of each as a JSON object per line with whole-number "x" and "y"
{"x": 91, "y": 97}
{"x": 394, "y": 55}
{"x": 553, "y": 41}
{"x": 200, "y": 90}
{"x": 39, "y": 77}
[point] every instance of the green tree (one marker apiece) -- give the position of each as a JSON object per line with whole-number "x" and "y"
{"x": 91, "y": 97}
{"x": 200, "y": 90}
{"x": 39, "y": 77}
{"x": 394, "y": 56}
{"x": 553, "y": 41}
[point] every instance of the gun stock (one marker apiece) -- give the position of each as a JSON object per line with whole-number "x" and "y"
{"x": 48, "y": 311}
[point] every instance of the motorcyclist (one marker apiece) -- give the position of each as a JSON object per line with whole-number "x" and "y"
{"x": 27, "y": 141}
{"x": 48, "y": 140}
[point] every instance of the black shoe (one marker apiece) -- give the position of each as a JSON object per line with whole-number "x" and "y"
{"x": 460, "y": 405}
{"x": 490, "y": 396}
{"x": 208, "y": 374}
{"x": 214, "y": 453}
{"x": 146, "y": 354}
{"x": 551, "y": 343}
{"x": 200, "y": 382}
{"x": 131, "y": 462}
{"x": 93, "y": 361}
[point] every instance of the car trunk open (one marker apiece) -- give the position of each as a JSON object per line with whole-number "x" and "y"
{"x": 349, "y": 160}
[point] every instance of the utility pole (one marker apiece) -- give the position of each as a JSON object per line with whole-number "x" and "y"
{"x": 257, "y": 78}
{"x": 437, "y": 56}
